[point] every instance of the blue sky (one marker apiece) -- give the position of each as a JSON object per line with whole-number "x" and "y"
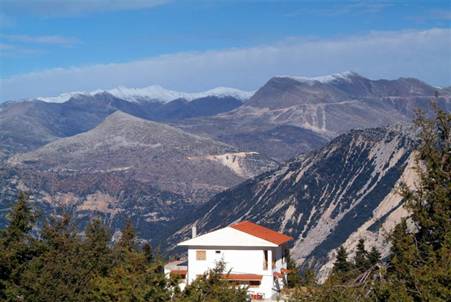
{"x": 50, "y": 46}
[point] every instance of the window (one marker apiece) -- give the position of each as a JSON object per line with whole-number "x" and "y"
{"x": 265, "y": 260}
{"x": 254, "y": 283}
{"x": 201, "y": 255}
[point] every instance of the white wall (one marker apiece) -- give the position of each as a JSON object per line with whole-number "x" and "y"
{"x": 238, "y": 260}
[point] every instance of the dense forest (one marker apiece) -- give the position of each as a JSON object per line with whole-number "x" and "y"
{"x": 57, "y": 263}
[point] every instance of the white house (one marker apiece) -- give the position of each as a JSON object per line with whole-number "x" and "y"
{"x": 254, "y": 256}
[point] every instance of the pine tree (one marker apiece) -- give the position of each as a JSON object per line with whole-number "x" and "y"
{"x": 17, "y": 246}
{"x": 360, "y": 259}
{"x": 374, "y": 257}
{"x": 419, "y": 266}
{"x": 96, "y": 246}
{"x": 308, "y": 278}
{"x": 60, "y": 272}
{"x": 341, "y": 263}
{"x": 293, "y": 276}
{"x": 128, "y": 237}
{"x": 132, "y": 276}
{"x": 21, "y": 220}
{"x": 148, "y": 252}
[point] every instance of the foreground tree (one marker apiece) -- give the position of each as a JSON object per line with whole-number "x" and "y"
{"x": 419, "y": 265}
{"x": 62, "y": 265}
{"x": 361, "y": 256}
{"x": 17, "y": 246}
{"x": 21, "y": 220}
{"x": 293, "y": 276}
{"x": 374, "y": 257}
{"x": 342, "y": 264}
{"x": 134, "y": 275}
{"x": 61, "y": 272}
{"x": 420, "y": 262}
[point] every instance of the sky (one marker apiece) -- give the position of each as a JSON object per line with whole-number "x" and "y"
{"x": 48, "y": 47}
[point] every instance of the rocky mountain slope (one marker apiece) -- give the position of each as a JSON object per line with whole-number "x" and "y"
{"x": 285, "y": 117}
{"x": 315, "y": 110}
{"x": 166, "y": 157}
{"x": 78, "y": 153}
{"x": 27, "y": 125}
{"x": 338, "y": 194}
{"x": 129, "y": 167}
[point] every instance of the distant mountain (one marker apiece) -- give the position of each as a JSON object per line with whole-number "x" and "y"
{"x": 446, "y": 90}
{"x": 340, "y": 193}
{"x": 316, "y": 110}
{"x": 140, "y": 153}
{"x": 128, "y": 167}
{"x": 165, "y": 157}
{"x": 26, "y": 125}
{"x": 289, "y": 115}
{"x": 286, "y": 91}
{"x": 154, "y": 93}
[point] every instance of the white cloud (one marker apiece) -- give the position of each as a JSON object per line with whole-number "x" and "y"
{"x": 422, "y": 54}
{"x": 51, "y": 39}
{"x": 74, "y": 7}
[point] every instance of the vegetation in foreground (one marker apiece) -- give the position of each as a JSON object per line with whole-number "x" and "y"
{"x": 59, "y": 264}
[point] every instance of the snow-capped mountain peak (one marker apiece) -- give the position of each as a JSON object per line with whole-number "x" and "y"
{"x": 153, "y": 93}
{"x": 346, "y": 75}
{"x": 63, "y": 97}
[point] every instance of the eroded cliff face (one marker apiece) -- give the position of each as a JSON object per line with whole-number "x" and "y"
{"x": 324, "y": 199}
{"x": 384, "y": 218}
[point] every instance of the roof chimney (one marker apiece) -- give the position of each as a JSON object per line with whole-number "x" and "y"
{"x": 194, "y": 231}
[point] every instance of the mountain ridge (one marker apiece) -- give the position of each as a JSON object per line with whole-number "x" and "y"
{"x": 125, "y": 141}
{"x": 322, "y": 198}
{"x": 153, "y": 93}
{"x": 323, "y": 109}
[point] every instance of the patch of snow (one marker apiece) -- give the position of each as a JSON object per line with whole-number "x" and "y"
{"x": 323, "y": 79}
{"x": 153, "y": 93}
{"x": 64, "y": 97}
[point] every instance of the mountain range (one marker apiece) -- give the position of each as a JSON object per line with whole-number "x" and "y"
{"x": 27, "y": 125}
{"x": 292, "y": 115}
{"x": 317, "y": 158}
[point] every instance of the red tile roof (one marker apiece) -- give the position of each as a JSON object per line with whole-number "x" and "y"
{"x": 243, "y": 277}
{"x": 261, "y": 232}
